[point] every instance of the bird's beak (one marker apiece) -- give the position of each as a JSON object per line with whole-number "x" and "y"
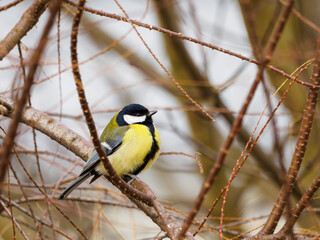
{"x": 152, "y": 113}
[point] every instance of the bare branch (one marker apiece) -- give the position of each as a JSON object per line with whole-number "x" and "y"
{"x": 237, "y": 123}
{"x": 301, "y": 145}
{"x": 10, "y": 5}
{"x": 50, "y": 127}
{"x": 112, "y": 175}
{"x": 35, "y": 58}
{"x": 188, "y": 38}
{"x": 304, "y": 201}
{"x": 81, "y": 147}
{"x": 28, "y": 20}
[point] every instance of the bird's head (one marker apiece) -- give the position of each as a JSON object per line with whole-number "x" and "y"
{"x": 134, "y": 114}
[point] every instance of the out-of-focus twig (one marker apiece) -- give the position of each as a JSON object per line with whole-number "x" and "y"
{"x": 10, "y": 5}
{"x": 188, "y": 38}
{"x": 247, "y": 12}
{"x": 295, "y": 213}
{"x": 50, "y": 127}
{"x": 99, "y": 36}
{"x": 25, "y": 211}
{"x": 301, "y": 145}
{"x": 35, "y": 58}
{"x": 237, "y": 123}
{"x": 28, "y": 20}
{"x": 239, "y": 165}
{"x": 14, "y": 220}
{"x": 141, "y": 193}
{"x": 112, "y": 175}
{"x": 75, "y": 143}
{"x": 303, "y": 18}
{"x": 158, "y": 213}
{"x": 175, "y": 82}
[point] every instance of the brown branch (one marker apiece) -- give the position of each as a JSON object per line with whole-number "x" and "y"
{"x": 13, "y": 219}
{"x": 49, "y": 199}
{"x": 10, "y": 205}
{"x": 247, "y": 9}
{"x": 263, "y": 160}
{"x": 25, "y": 197}
{"x": 138, "y": 196}
{"x": 158, "y": 213}
{"x": 75, "y": 143}
{"x": 304, "y": 201}
{"x": 42, "y": 221}
{"x": 188, "y": 38}
{"x": 35, "y": 58}
{"x": 277, "y": 237}
{"x": 178, "y": 85}
{"x": 28, "y": 20}
{"x": 112, "y": 175}
{"x": 300, "y": 149}
{"x": 6, "y": 7}
{"x": 303, "y": 18}
{"x": 237, "y": 123}
{"x": 50, "y": 127}
{"x": 249, "y": 150}
{"x": 39, "y": 232}
{"x": 22, "y": 65}
{"x": 247, "y": 13}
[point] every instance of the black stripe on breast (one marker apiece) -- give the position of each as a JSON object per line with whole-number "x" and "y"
{"x": 151, "y": 154}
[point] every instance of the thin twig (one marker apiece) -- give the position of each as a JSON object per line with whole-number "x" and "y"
{"x": 295, "y": 213}
{"x": 50, "y": 127}
{"x": 303, "y": 18}
{"x": 14, "y": 220}
{"x": 237, "y": 123}
{"x": 47, "y": 197}
{"x": 25, "y": 211}
{"x": 178, "y": 85}
{"x": 22, "y": 65}
{"x": 247, "y": 9}
{"x": 301, "y": 145}
{"x": 187, "y": 38}
{"x": 35, "y": 58}
{"x": 140, "y": 194}
{"x": 239, "y": 166}
{"x": 112, "y": 175}
{"x": 22, "y": 192}
{"x": 28, "y": 20}
{"x": 10, "y": 207}
{"x": 9, "y": 5}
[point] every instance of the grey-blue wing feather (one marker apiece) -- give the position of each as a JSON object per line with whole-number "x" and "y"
{"x": 94, "y": 159}
{"x": 113, "y": 141}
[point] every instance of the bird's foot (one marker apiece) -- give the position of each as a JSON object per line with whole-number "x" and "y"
{"x": 128, "y": 178}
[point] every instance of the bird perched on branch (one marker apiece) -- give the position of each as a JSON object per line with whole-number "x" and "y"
{"x": 131, "y": 142}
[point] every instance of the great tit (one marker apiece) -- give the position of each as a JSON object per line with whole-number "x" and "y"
{"x": 131, "y": 142}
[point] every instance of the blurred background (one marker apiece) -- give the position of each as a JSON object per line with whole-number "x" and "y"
{"x": 117, "y": 69}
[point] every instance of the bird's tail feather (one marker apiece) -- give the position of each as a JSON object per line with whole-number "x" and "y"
{"x": 74, "y": 185}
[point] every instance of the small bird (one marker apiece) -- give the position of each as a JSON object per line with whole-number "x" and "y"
{"x": 131, "y": 142}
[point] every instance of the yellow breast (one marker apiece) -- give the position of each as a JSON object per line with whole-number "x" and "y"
{"x": 136, "y": 144}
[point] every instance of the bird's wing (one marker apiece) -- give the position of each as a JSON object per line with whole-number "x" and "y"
{"x": 110, "y": 145}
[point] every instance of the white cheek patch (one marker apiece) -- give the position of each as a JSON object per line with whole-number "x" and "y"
{"x": 134, "y": 119}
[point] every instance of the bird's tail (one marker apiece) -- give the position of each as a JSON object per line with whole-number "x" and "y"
{"x": 74, "y": 185}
